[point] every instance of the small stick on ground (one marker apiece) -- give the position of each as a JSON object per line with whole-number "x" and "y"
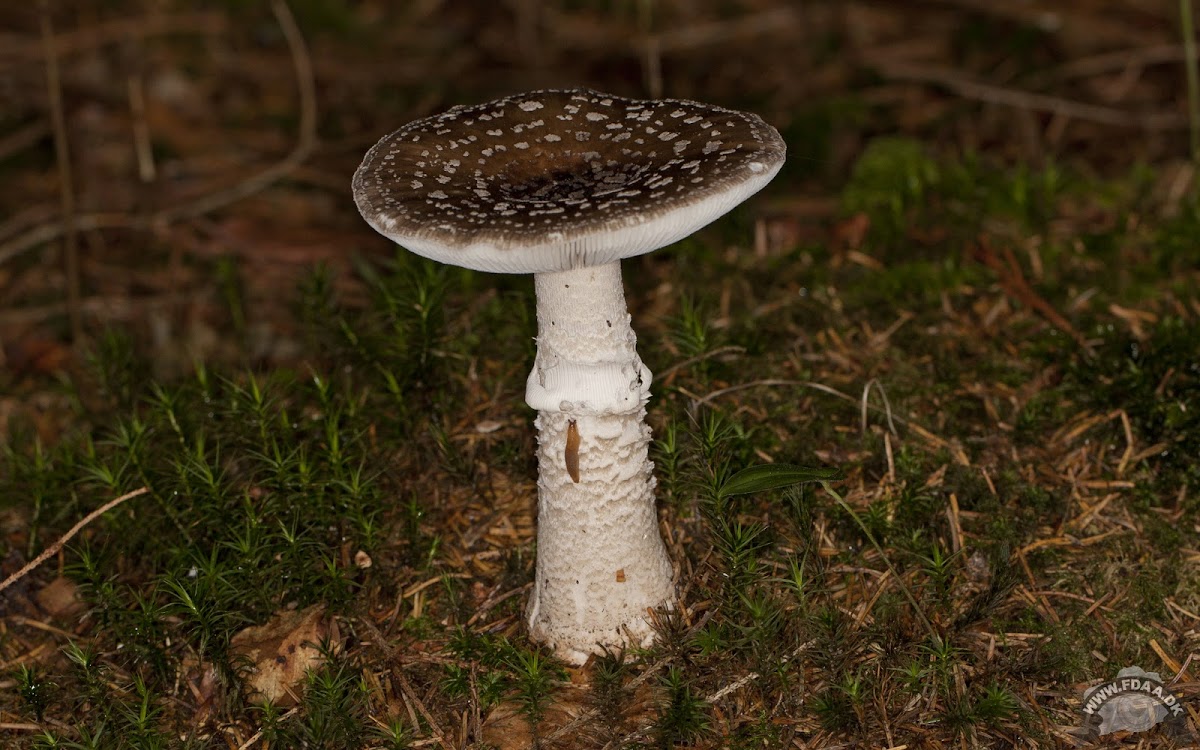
{"x": 66, "y": 186}
{"x": 863, "y": 403}
{"x": 62, "y": 540}
{"x": 968, "y": 88}
{"x": 720, "y": 351}
{"x": 1015, "y": 285}
{"x": 747, "y": 679}
{"x": 435, "y": 729}
{"x": 254, "y": 738}
{"x": 118, "y": 31}
{"x": 305, "y": 143}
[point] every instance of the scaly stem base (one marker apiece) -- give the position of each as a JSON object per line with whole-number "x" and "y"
{"x": 601, "y": 563}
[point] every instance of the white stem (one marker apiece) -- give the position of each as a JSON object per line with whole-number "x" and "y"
{"x": 600, "y": 560}
{"x": 587, "y": 361}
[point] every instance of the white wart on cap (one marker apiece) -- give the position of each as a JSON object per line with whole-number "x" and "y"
{"x": 556, "y": 180}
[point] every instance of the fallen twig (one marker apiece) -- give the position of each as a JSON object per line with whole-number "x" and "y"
{"x": 14, "y": 47}
{"x": 666, "y": 374}
{"x": 1122, "y": 59}
{"x": 751, "y": 677}
{"x": 305, "y": 142}
{"x": 1012, "y": 280}
{"x": 66, "y": 184}
{"x": 969, "y": 88}
{"x": 864, "y": 402}
{"x": 254, "y": 738}
{"x": 62, "y": 540}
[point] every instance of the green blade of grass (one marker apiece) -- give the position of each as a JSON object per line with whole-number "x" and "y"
{"x": 773, "y": 477}
{"x": 908, "y": 594}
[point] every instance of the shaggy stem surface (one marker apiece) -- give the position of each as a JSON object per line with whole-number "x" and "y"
{"x": 601, "y": 562}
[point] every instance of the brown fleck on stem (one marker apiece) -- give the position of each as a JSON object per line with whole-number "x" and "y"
{"x": 571, "y": 456}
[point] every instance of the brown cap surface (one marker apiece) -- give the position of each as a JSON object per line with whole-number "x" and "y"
{"x": 559, "y": 179}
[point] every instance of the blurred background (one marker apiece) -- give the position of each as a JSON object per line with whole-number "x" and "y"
{"x": 178, "y": 166}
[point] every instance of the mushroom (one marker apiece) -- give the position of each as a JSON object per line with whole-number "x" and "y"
{"x": 563, "y": 184}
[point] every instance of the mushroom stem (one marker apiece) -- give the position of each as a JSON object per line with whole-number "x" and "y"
{"x": 600, "y": 560}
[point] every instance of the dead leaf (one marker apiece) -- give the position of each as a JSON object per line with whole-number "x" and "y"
{"x": 508, "y": 728}
{"x": 60, "y": 599}
{"x": 281, "y": 651}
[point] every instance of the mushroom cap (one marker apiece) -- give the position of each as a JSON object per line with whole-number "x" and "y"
{"x": 554, "y": 180}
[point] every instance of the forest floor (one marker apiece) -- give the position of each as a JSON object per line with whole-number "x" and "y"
{"x": 974, "y": 291}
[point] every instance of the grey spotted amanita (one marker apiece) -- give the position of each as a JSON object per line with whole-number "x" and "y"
{"x": 563, "y": 184}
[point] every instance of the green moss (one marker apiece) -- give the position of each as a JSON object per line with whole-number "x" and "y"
{"x": 683, "y": 716}
{"x": 1157, "y": 383}
{"x": 263, "y": 484}
{"x": 907, "y": 284}
{"x": 1043, "y": 412}
{"x": 892, "y": 178}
